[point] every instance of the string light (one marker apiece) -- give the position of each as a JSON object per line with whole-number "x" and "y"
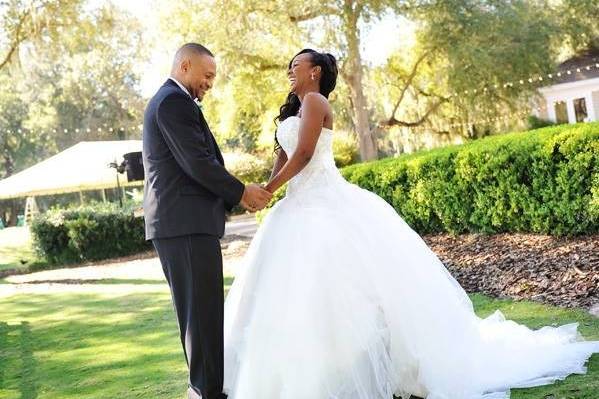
{"x": 475, "y": 122}
{"x": 66, "y": 130}
{"x": 485, "y": 89}
{"x": 505, "y": 85}
{"x": 531, "y": 79}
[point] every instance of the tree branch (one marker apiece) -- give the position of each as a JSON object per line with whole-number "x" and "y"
{"x": 259, "y": 62}
{"x": 394, "y": 122}
{"x": 308, "y": 15}
{"x": 408, "y": 82}
{"x": 17, "y": 41}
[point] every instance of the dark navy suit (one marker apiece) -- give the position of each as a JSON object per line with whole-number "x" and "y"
{"x": 187, "y": 191}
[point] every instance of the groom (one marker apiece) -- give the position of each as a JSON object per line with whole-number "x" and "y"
{"x": 187, "y": 191}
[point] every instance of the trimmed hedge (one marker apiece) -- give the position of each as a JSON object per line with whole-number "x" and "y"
{"x": 541, "y": 181}
{"x": 93, "y": 232}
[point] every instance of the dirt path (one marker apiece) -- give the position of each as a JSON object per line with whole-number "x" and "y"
{"x": 141, "y": 273}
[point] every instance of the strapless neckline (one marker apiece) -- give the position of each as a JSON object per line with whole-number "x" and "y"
{"x": 323, "y": 128}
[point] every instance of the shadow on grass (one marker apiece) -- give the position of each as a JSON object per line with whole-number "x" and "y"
{"x": 17, "y": 360}
{"x": 90, "y": 346}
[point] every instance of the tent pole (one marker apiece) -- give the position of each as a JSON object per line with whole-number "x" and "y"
{"x": 120, "y": 190}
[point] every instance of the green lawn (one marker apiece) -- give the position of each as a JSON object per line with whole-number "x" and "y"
{"x": 15, "y": 249}
{"x": 126, "y": 346}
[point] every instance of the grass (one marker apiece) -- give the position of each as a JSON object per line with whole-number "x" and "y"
{"x": 107, "y": 346}
{"x": 16, "y": 251}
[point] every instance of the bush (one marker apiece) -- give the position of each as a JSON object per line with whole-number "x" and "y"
{"x": 92, "y": 232}
{"x": 541, "y": 181}
{"x": 534, "y": 122}
{"x": 247, "y": 167}
{"x": 345, "y": 149}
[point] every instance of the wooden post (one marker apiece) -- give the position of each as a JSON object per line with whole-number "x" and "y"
{"x": 31, "y": 210}
{"x": 103, "y": 191}
{"x": 81, "y": 197}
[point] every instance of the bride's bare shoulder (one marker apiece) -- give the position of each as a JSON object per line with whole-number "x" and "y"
{"x": 319, "y": 104}
{"x": 316, "y": 99}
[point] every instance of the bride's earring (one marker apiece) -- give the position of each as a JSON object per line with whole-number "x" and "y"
{"x": 312, "y": 76}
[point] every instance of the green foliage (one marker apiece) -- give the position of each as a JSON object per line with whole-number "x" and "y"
{"x": 474, "y": 35}
{"x": 247, "y": 167}
{"x": 541, "y": 181}
{"x": 535, "y": 122}
{"x": 16, "y": 143}
{"x": 91, "y": 232}
{"x": 23, "y": 22}
{"x": 579, "y": 21}
{"x": 345, "y": 150}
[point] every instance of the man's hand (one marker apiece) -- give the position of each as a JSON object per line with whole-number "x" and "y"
{"x": 255, "y": 197}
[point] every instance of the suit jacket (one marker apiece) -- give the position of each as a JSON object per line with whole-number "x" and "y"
{"x": 187, "y": 188}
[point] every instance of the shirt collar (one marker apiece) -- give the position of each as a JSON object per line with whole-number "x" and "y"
{"x": 180, "y": 85}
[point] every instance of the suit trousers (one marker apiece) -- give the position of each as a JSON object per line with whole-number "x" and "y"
{"x": 193, "y": 267}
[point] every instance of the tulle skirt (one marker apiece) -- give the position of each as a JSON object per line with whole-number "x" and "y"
{"x": 338, "y": 298}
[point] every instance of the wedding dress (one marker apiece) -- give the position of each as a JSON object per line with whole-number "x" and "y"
{"x": 338, "y": 298}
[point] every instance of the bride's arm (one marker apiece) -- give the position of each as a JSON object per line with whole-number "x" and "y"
{"x": 314, "y": 109}
{"x": 279, "y": 162}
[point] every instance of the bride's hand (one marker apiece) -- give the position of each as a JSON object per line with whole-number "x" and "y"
{"x": 255, "y": 197}
{"x": 268, "y": 188}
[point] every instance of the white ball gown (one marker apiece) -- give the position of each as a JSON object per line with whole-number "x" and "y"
{"x": 338, "y": 298}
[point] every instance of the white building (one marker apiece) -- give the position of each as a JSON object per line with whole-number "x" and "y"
{"x": 574, "y": 97}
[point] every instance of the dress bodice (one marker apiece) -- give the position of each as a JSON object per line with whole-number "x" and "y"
{"x": 321, "y": 169}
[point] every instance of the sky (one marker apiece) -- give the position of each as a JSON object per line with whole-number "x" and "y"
{"x": 379, "y": 41}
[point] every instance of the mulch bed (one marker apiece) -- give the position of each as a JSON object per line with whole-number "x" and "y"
{"x": 557, "y": 270}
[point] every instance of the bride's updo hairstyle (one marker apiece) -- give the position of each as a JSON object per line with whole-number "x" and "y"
{"x": 328, "y": 80}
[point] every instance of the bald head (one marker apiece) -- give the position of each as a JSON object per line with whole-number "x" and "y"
{"x": 189, "y": 49}
{"x": 195, "y": 68}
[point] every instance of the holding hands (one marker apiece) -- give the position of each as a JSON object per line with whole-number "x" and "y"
{"x": 255, "y": 197}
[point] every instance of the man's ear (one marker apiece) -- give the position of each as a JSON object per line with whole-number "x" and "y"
{"x": 185, "y": 64}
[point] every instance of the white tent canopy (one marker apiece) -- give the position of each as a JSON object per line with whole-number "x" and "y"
{"x": 81, "y": 167}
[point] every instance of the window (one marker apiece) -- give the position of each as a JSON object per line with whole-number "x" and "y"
{"x": 580, "y": 109}
{"x": 561, "y": 112}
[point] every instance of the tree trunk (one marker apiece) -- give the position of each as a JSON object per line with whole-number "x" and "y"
{"x": 353, "y": 76}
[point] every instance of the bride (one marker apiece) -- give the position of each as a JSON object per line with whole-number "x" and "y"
{"x": 339, "y": 298}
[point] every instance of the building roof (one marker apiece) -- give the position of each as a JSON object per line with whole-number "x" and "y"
{"x": 582, "y": 66}
{"x": 83, "y": 166}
